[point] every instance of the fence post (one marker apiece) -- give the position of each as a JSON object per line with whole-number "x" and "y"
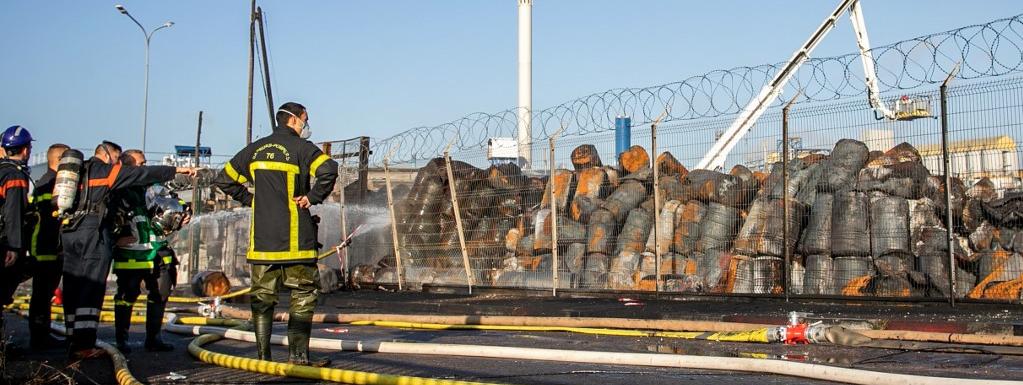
{"x": 394, "y": 223}
{"x": 458, "y": 218}
{"x": 657, "y": 199}
{"x": 554, "y": 215}
{"x": 946, "y": 165}
{"x": 786, "y": 269}
{"x": 343, "y": 177}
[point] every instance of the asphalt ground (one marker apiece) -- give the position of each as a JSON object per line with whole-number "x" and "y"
{"x": 22, "y": 364}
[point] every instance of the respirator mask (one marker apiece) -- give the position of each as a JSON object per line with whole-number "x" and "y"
{"x": 306, "y": 132}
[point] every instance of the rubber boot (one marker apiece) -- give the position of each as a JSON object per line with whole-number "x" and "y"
{"x": 298, "y": 343}
{"x": 262, "y": 325}
{"x": 122, "y": 322}
{"x": 154, "y": 323}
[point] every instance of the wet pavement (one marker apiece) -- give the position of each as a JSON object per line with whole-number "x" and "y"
{"x": 158, "y": 368}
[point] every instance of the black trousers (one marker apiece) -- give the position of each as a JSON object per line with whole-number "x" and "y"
{"x": 45, "y": 279}
{"x": 12, "y": 276}
{"x": 159, "y": 282}
{"x": 87, "y": 257}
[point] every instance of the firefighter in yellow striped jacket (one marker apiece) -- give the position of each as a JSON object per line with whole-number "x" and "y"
{"x": 288, "y": 175}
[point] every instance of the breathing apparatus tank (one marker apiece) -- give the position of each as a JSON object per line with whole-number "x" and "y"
{"x": 69, "y": 173}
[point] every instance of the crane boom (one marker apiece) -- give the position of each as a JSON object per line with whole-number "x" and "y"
{"x": 715, "y": 157}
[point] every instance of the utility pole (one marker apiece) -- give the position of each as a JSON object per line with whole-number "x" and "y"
{"x": 266, "y": 67}
{"x": 252, "y": 62}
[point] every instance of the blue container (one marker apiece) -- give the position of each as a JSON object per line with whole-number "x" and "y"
{"x": 623, "y": 134}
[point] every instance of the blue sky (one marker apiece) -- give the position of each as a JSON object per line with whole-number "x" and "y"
{"x": 73, "y": 70}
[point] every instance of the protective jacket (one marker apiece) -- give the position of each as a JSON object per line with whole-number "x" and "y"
{"x": 134, "y": 220}
{"x": 46, "y": 234}
{"x": 14, "y": 192}
{"x": 280, "y": 167}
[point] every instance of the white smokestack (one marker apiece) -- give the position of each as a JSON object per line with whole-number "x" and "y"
{"x": 525, "y": 109}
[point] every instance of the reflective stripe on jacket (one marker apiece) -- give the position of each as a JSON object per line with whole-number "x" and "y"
{"x": 280, "y": 167}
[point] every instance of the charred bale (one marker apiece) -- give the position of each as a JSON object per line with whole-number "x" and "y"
{"x": 840, "y": 170}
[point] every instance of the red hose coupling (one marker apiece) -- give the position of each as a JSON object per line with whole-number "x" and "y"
{"x": 796, "y": 334}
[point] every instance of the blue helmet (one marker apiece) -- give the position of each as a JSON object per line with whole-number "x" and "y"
{"x": 15, "y": 136}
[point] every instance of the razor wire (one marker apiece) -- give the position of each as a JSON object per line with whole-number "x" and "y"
{"x": 983, "y": 50}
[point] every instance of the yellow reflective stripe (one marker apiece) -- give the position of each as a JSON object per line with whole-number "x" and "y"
{"x": 167, "y": 260}
{"x": 46, "y": 258}
{"x": 282, "y": 255}
{"x": 35, "y": 237}
{"x": 293, "y": 210}
{"x": 133, "y": 265}
{"x": 316, "y": 164}
{"x": 121, "y": 302}
{"x": 46, "y": 197}
{"x": 291, "y": 171}
{"x": 272, "y": 165}
{"x": 233, "y": 174}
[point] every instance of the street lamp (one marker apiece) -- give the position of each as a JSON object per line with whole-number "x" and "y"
{"x": 148, "y": 35}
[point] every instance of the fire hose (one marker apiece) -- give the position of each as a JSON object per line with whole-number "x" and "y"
{"x": 639, "y": 324}
{"x": 203, "y": 327}
{"x": 788, "y": 368}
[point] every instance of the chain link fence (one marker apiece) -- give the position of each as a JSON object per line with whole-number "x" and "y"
{"x": 820, "y": 199}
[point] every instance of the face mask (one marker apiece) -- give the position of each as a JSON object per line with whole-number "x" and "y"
{"x": 305, "y": 133}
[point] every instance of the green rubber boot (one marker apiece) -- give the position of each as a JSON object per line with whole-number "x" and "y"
{"x": 299, "y": 330}
{"x": 262, "y": 325}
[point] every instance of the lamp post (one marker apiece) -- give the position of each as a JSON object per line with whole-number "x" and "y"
{"x": 145, "y": 98}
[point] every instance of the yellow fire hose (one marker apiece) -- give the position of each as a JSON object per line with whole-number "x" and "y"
{"x": 177, "y": 325}
{"x": 628, "y": 323}
{"x": 307, "y": 372}
{"x": 109, "y": 298}
{"x": 756, "y": 335}
{"x": 121, "y": 371}
{"x": 124, "y": 376}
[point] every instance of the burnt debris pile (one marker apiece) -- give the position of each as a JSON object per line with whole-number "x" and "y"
{"x": 859, "y": 223}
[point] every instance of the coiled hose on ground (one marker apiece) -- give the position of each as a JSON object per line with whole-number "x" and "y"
{"x": 203, "y": 327}
{"x": 788, "y": 368}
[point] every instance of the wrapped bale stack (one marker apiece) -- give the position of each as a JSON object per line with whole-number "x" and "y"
{"x": 860, "y": 223}
{"x": 995, "y": 227}
{"x": 492, "y": 204}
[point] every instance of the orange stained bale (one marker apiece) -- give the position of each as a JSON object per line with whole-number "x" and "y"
{"x": 856, "y": 286}
{"x": 668, "y": 165}
{"x": 1006, "y": 291}
{"x": 634, "y": 159}
{"x": 562, "y": 183}
{"x": 585, "y": 156}
{"x": 590, "y": 182}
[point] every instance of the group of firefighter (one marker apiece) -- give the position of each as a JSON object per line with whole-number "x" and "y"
{"x": 83, "y": 216}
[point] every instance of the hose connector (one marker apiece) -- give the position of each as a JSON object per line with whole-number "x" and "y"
{"x": 799, "y": 332}
{"x": 212, "y": 309}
